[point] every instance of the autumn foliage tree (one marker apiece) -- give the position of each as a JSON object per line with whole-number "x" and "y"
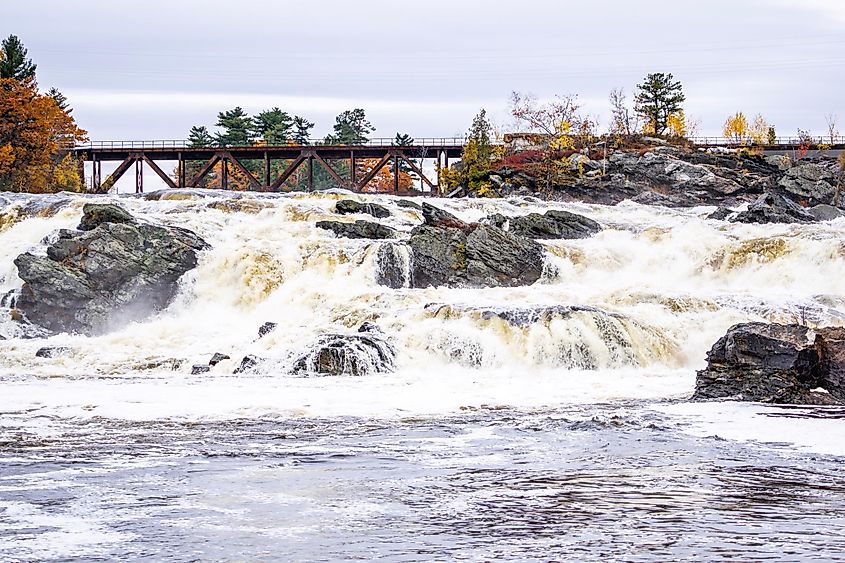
{"x": 736, "y": 127}
{"x": 659, "y": 97}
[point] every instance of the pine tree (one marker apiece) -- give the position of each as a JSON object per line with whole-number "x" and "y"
{"x": 351, "y": 128}
{"x": 237, "y": 128}
{"x": 60, "y": 100}
{"x": 403, "y": 140}
{"x": 200, "y": 137}
{"x": 480, "y": 132}
{"x": 659, "y": 97}
{"x": 273, "y": 125}
{"x": 301, "y": 130}
{"x": 13, "y": 61}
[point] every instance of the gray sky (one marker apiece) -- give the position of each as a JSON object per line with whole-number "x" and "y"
{"x": 151, "y": 69}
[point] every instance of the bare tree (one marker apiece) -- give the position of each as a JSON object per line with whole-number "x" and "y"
{"x": 832, "y": 129}
{"x": 552, "y": 118}
{"x": 624, "y": 121}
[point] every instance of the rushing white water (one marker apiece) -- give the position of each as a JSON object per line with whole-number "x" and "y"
{"x": 624, "y": 317}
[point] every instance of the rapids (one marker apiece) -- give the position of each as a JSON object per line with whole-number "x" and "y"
{"x": 516, "y": 411}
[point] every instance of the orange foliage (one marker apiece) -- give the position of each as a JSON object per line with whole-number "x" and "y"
{"x": 383, "y": 181}
{"x": 33, "y": 133}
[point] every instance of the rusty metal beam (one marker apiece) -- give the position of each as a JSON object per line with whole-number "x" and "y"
{"x": 331, "y": 171}
{"x": 372, "y": 173}
{"x": 115, "y": 176}
{"x": 277, "y": 183}
{"x": 167, "y": 179}
{"x": 205, "y": 170}
{"x": 310, "y": 173}
{"x": 417, "y": 170}
{"x": 180, "y": 170}
{"x": 266, "y": 169}
{"x": 253, "y": 182}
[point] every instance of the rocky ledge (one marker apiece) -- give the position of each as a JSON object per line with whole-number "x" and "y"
{"x": 774, "y": 363}
{"x": 113, "y": 270}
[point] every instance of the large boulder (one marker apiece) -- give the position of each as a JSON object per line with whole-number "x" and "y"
{"x": 112, "y": 271}
{"x": 773, "y": 208}
{"x": 358, "y": 229}
{"x": 350, "y": 206}
{"x": 393, "y": 265}
{"x": 774, "y": 363}
{"x": 812, "y": 183}
{"x": 341, "y": 354}
{"x": 553, "y": 224}
{"x": 449, "y": 252}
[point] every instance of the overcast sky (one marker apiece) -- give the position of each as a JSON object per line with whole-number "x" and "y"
{"x": 152, "y": 69}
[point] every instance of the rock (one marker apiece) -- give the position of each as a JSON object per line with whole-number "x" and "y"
{"x": 338, "y": 354}
{"x": 199, "y": 369}
{"x": 781, "y": 161}
{"x": 472, "y": 256}
{"x": 393, "y": 265}
{"x": 722, "y": 213}
{"x": 811, "y": 183}
{"x": 436, "y": 217}
{"x": 217, "y": 358}
{"x": 771, "y": 363}
{"x": 3, "y": 337}
{"x": 52, "y": 352}
{"x": 830, "y": 343}
{"x": 347, "y": 206}
{"x": 773, "y": 208}
{"x": 95, "y": 214}
{"x": 358, "y": 229}
{"x": 266, "y": 329}
{"x": 582, "y": 163}
{"x": 409, "y": 204}
{"x": 824, "y": 212}
{"x": 114, "y": 272}
{"x": 367, "y": 326}
{"x": 248, "y": 363}
{"x": 553, "y": 224}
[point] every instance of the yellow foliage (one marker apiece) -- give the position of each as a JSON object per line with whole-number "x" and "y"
{"x": 736, "y": 127}
{"x": 677, "y": 124}
{"x": 759, "y": 130}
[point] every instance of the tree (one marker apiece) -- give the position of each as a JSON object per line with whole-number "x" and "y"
{"x": 13, "y": 61}
{"x": 832, "y": 127}
{"x": 237, "y": 128}
{"x": 759, "y": 130}
{"x": 351, "y": 128}
{"x": 403, "y": 140}
{"x": 273, "y": 125}
{"x": 200, "y": 137}
{"x": 736, "y": 127}
{"x": 658, "y": 97}
{"x": 677, "y": 124}
{"x": 34, "y": 137}
{"x": 60, "y": 100}
{"x": 301, "y": 130}
{"x": 771, "y": 135}
{"x": 623, "y": 120}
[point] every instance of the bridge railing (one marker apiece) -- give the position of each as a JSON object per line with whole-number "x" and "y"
{"x": 185, "y": 144}
{"x": 814, "y": 140}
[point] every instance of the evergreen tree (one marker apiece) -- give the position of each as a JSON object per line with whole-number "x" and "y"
{"x": 351, "y": 128}
{"x": 274, "y": 126}
{"x": 659, "y": 97}
{"x": 404, "y": 140}
{"x": 200, "y": 137}
{"x": 237, "y": 128}
{"x": 60, "y": 100}
{"x": 13, "y": 61}
{"x": 480, "y": 132}
{"x": 301, "y": 130}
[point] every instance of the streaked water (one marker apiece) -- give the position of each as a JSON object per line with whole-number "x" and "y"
{"x": 561, "y": 439}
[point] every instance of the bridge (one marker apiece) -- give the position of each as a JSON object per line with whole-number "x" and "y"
{"x": 380, "y": 153}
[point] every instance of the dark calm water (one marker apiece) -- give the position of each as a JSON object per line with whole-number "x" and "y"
{"x": 609, "y": 482}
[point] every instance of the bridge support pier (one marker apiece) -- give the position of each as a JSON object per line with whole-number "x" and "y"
{"x": 139, "y": 175}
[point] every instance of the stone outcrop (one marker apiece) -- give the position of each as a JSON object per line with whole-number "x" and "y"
{"x": 350, "y": 206}
{"x": 812, "y": 184}
{"x": 449, "y": 252}
{"x": 553, "y": 224}
{"x": 339, "y": 354}
{"x": 774, "y": 363}
{"x": 773, "y": 208}
{"x": 112, "y": 271}
{"x": 358, "y": 229}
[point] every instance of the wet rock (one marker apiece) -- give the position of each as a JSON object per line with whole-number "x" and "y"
{"x": 409, "y": 204}
{"x": 553, "y": 224}
{"x": 248, "y": 363}
{"x": 722, "y": 213}
{"x": 436, "y": 217}
{"x": 266, "y": 329}
{"x": 830, "y": 344}
{"x": 367, "y": 326}
{"x": 457, "y": 254}
{"x": 217, "y": 358}
{"x": 95, "y": 214}
{"x": 114, "y": 271}
{"x": 393, "y": 265}
{"x": 823, "y": 212}
{"x": 812, "y": 183}
{"x": 358, "y": 229}
{"x": 3, "y": 337}
{"x": 198, "y": 369}
{"x": 338, "y": 354}
{"x": 773, "y": 363}
{"x": 654, "y": 198}
{"x": 773, "y": 208}
{"x": 52, "y": 352}
{"x": 347, "y": 206}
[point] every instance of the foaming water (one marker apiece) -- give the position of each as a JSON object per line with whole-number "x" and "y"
{"x": 515, "y": 421}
